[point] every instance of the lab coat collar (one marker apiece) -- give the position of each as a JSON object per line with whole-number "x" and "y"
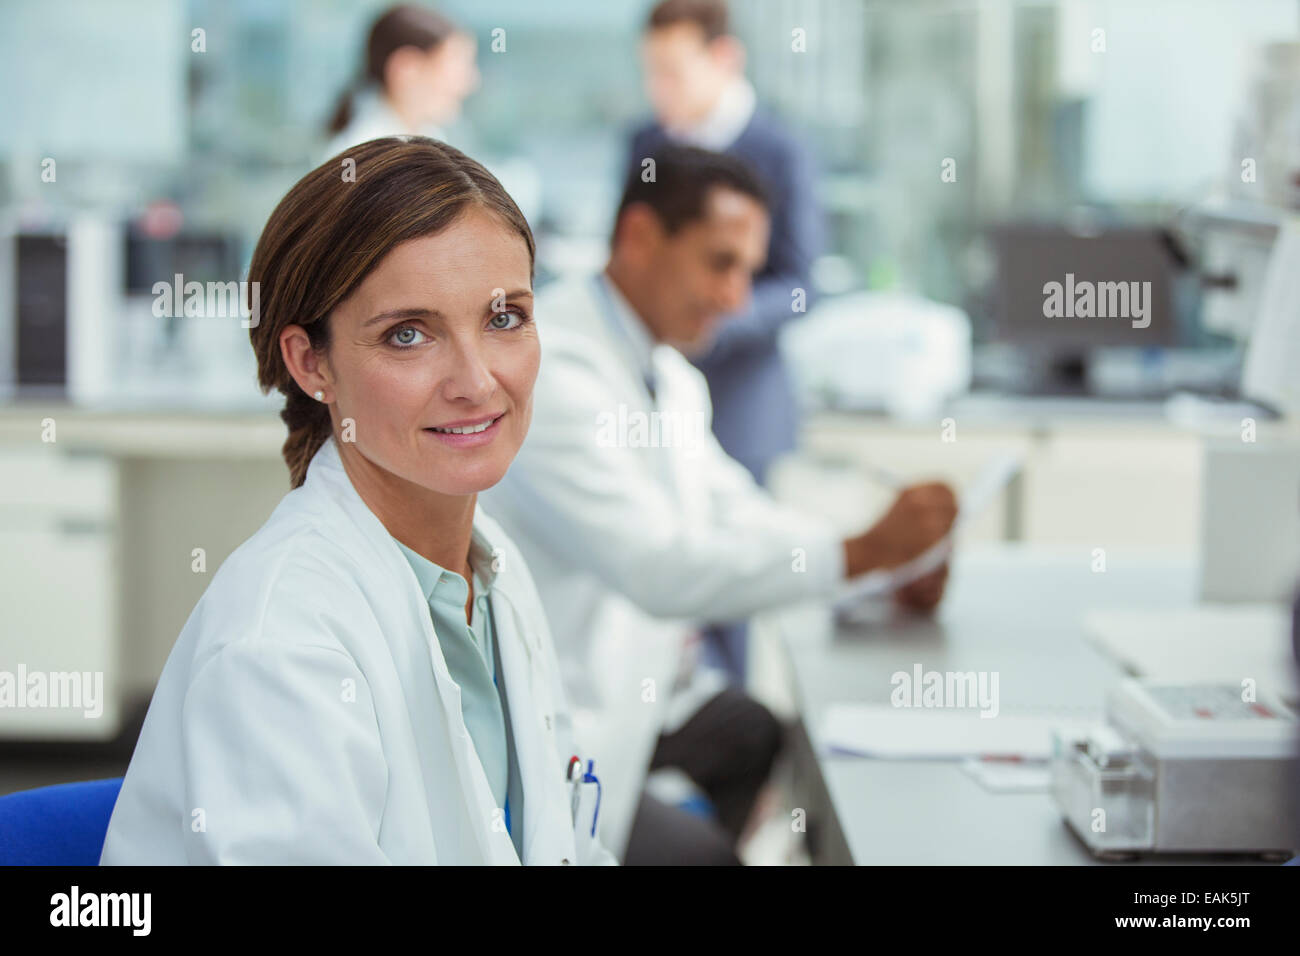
{"x": 433, "y": 577}
{"x": 326, "y": 468}
{"x": 632, "y": 326}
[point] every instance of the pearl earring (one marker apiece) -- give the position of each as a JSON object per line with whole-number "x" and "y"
{"x": 320, "y": 396}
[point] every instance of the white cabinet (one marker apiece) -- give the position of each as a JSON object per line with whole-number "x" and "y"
{"x": 1119, "y": 484}
{"x": 58, "y": 594}
{"x": 1118, "y": 488}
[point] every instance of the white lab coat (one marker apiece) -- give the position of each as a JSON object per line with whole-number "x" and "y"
{"x": 631, "y": 546}
{"x": 306, "y": 714}
{"x": 372, "y": 118}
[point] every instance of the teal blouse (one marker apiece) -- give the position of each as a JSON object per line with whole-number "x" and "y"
{"x": 474, "y": 662}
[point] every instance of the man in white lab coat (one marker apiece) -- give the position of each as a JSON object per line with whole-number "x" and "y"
{"x": 636, "y": 524}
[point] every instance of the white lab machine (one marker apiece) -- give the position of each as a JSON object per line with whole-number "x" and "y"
{"x": 880, "y": 351}
{"x": 59, "y": 292}
{"x": 1181, "y": 768}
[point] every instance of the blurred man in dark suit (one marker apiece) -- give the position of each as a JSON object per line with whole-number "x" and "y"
{"x": 694, "y": 73}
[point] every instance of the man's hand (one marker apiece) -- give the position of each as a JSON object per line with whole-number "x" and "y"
{"x": 919, "y": 517}
{"x": 925, "y": 593}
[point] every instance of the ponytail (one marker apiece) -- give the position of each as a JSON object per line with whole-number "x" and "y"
{"x": 343, "y": 109}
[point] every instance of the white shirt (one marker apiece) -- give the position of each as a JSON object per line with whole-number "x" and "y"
{"x": 725, "y": 122}
{"x": 631, "y": 544}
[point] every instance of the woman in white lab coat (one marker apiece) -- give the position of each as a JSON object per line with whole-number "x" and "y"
{"x": 308, "y": 712}
{"x": 418, "y": 70}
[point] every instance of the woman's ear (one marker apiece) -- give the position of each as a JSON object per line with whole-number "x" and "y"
{"x": 307, "y": 366}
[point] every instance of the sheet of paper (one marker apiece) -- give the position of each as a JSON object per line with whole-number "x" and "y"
{"x": 1000, "y": 776}
{"x": 972, "y": 501}
{"x": 898, "y": 733}
{"x": 1218, "y": 642}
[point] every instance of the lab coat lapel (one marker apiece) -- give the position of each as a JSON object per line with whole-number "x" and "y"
{"x": 623, "y": 739}
{"x": 548, "y": 826}
{"x": 598, "y": 323}
{"x": 392, "y": 577}
{"x": 681, "y": 408}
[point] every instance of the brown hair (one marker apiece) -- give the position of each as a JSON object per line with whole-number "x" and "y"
{"x": 403, "y": 25}
{"x": 331, "y": 230}
{"x": 709, "y": 15}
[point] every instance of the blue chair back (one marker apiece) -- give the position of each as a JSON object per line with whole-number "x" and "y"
{"x": 62, "y": 825}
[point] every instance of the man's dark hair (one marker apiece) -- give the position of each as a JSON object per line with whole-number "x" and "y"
{"x": 709, "y": 15}
{"x": 683, "y": 178}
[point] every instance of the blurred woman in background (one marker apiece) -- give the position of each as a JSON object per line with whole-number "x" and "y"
{"x": 419, "y": 68}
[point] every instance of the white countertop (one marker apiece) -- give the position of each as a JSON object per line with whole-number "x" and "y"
{"x": 167, "y": 433}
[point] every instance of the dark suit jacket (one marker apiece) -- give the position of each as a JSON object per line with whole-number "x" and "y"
{"x": 754, "y": 413}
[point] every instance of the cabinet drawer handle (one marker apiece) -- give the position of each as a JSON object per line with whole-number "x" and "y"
{"x": 81, "y": 526}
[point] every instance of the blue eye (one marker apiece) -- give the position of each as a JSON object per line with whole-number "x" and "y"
{"x": 405, "y": 336}
{"x": 514, "y": 317}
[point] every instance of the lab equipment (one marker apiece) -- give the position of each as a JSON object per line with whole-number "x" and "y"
{"x": 56, "y": 324}
{"x": 1064, "y": 293}
{"x": 880, "y": 350}
{"x": 81, "y": 317}
{"x": 1269, "y": 373}
{"x": 1180, "y": 768}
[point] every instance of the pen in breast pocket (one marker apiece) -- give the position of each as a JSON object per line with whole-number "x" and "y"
{"x": 575, "y": 785}
{"x": 590, "y": 777}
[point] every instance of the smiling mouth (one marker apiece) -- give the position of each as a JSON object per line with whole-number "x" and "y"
{"x": 468, "y": 429}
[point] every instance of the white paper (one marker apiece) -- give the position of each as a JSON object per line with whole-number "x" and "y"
{"x": 972, "y": 501}
{"x": 900, "y": 733}
{"x": 1210, "y": 642}
{"x": 998, "y": 776}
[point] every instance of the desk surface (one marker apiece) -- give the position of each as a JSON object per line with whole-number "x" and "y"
{"x": 1014, "y": 610}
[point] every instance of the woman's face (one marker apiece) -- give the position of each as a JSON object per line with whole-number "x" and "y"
{"x": 448, "y": 76}
{"x": 439, "y": 336}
